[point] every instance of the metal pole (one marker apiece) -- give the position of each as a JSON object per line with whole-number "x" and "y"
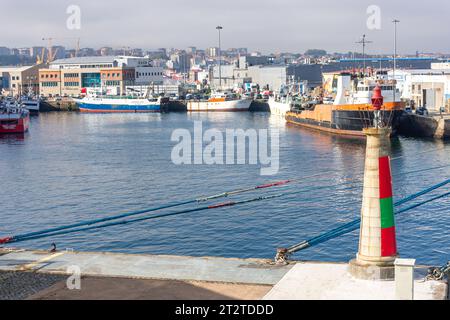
{"x": 364, "y": 52}
{"x": 220, "y": 59}
{"x": 364, "y": 42}
{"x": 395, "y": 21}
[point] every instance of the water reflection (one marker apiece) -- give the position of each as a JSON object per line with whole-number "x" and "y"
{"x": 73, "y": 167}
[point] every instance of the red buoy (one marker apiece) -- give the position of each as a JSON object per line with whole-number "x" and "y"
{"x": 377, "y": 98}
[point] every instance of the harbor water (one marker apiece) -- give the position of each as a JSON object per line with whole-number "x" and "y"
{"x": 71, "y": 167}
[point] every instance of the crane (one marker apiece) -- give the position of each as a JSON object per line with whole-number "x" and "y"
{"x": 51, "y": 55}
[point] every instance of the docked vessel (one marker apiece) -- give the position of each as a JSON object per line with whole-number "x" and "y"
{"x": 14, "y": 118}
{"x": 351, "y": 110}
{"x": 279, "y": 106}
{"x": 283, "y": 101}
{"x": 220, "y": 102}
{"x": 121, "y": 104}
{"x": 31, "y": 102}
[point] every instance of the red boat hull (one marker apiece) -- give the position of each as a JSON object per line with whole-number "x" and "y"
{"x": 20, "y": 125}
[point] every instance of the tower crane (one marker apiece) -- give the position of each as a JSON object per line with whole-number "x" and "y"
{"x": 51, "y": 55}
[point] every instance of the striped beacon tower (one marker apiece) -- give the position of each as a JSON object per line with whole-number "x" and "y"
{"x": 377, "y": 242}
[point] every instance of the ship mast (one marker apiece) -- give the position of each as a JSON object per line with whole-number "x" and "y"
{"x": 364, "y": 42}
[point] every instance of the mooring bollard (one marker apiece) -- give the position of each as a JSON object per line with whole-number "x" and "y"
{"x": 404, "y": 279}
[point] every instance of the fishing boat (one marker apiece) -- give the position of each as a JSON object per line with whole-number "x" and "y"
{"x": 220, "y": 101}
{"x": 121, "y": 104}
{"x": 14, "y": 118}
{"x": 351, "y": 110}
{"x": 279, "y": 105}
{"x": 284, "y": 100}
{"x": 30, "y": 101}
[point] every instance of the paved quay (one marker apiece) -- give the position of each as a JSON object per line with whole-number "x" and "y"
{"x": 41, "y": 275}
{"x": 332, "y": 281}
{"x": 135, "y": 276}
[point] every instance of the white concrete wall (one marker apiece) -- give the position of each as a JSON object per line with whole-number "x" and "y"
{"x": 274, "y": 76}
{"x": 148, "y": 74}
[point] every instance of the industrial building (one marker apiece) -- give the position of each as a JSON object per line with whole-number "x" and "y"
{"x": 428, "y": 88}
{"x": 111, "y": 73}
{"x": 20, "y": 80}
{"x": 241, "y": 72}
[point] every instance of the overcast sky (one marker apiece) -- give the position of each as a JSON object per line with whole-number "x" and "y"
{"x": 263, "y": 25}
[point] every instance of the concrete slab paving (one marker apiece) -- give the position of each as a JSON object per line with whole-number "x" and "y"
{"x": 331, "y": 281}
{"x": 94, "y": 288}
{"x": 212, "y": 269}
{"x": 114, "y": 275}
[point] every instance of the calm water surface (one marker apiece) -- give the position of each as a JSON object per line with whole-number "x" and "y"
{"x": 71, "y": 167}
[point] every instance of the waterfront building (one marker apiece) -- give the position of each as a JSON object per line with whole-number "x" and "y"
{"x": 232, "y": 76}
{"x": 428, "y": 88}
{"x": 107, "y": 73}
{"x": 258, "y": 60}
{"x": 20, "y": 80}
{"x": 240, "y": 72}
{"x": 272, "y": 77}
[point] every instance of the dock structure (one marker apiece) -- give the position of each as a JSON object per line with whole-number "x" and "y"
{"x": 44, "y": 275}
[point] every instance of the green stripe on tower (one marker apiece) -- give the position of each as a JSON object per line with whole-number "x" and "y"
{"x": 387, "y": 213}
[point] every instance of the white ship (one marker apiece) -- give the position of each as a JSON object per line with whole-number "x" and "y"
{"x": 279, "y": 106}
{"x": 282, "y": 103}
{"x": 120, "y": 104}
{"x": 220, "y": 102}
{"x": 30, "y": 101}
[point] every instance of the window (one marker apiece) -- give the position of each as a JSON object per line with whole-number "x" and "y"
{"x": 50, "y": 84}
{"x": 71, "y": 84}
{"x": 112, "y": 83}
{"x": 71, "y": 75}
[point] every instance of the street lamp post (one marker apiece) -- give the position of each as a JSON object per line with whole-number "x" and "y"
{"x": 220, "y": 58}
{"x": 395, "y": 21}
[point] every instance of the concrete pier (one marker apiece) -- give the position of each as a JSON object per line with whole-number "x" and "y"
{"x": 331, "y": 281}
{"x": 43, "y": 275}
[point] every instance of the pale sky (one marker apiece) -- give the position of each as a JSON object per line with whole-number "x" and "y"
{"x": 262, "y": 25}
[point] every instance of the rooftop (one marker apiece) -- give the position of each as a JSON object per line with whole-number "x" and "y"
{"x": 82, "y": 60}
{"x": 14, "y": 68}
{"x": 92, "y": 59}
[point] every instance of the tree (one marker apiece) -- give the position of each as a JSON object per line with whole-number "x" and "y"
{"x": 316, "y": 52}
